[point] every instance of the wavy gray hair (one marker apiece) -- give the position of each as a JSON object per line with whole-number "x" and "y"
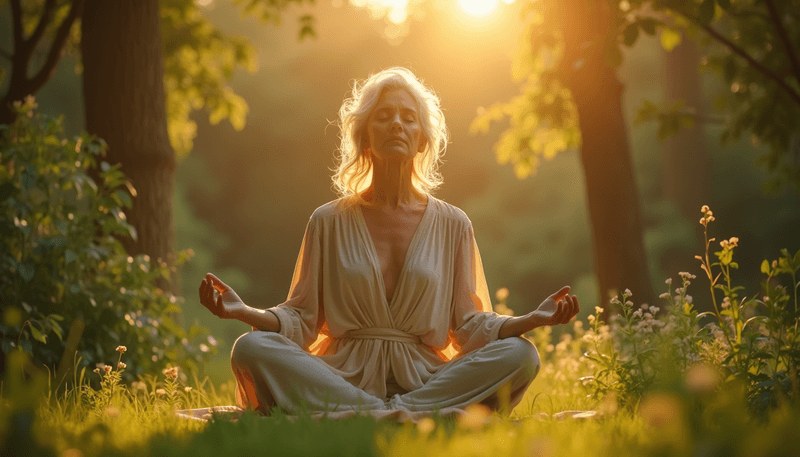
{"x": 353, "y": 172}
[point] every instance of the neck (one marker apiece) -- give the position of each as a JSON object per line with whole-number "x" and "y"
{"x": 392, "y": 185}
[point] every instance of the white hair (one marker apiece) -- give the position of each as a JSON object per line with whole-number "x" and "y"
{"x": 353, "y": 172}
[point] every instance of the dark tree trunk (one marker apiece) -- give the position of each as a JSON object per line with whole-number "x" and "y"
{"x": 686, "y": 163}
{"x": 123, "y": 74}
{"x": 686, "y": 170}
{"x": 619, "y": 254}
{"x": 20, "y": 84}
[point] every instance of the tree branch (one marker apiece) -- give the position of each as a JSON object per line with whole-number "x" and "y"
{"x": 787, "y": 43}
{"x": 16, "y": 17}
{"x": 57, "y": 48}
{"x": 740, "y": 52}
{"x": 42, "y": 25}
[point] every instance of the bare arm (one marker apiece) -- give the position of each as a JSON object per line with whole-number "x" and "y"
{"x": 558, "y": 308}
{"x": 223, "y": 302}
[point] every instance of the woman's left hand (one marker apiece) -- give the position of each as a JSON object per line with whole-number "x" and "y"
{"x": 556, "y": 309}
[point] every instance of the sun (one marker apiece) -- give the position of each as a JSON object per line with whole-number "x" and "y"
{"x": 478, "y": 7}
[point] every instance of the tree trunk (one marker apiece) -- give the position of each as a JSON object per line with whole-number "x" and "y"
{"x": 686, "y": 163}
{"x": 619, "y": 255}
{"x": 124, "y": 97}
{"x": 686, "y": 170}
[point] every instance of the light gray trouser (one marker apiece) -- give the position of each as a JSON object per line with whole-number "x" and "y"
{"x": 270, "y": 369}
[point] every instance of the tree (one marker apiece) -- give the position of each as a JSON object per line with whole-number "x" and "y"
{"x": 130, "y": 51}
{"x": 572, "y": 98}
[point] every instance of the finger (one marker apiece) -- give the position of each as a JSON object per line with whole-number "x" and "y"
{"x": 560, "y": 294}
{"x": 220, "y": 307}
{"x": 218, "y": 284}
{"x": 573, "y": 306}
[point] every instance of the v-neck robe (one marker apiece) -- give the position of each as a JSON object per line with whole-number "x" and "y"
{"x": 440, "y": 308}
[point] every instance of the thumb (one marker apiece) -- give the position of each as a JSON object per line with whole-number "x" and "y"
{"x": 218, "y": 284}
{"x": 560, "y": 294}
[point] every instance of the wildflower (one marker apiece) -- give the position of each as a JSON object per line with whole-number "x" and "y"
{"x": 426, "y": 425}
{"x": 615, "y": 300}
{"x": 660, "y": 410}
{"x": 187, "y": 389}
{"x": 475, "y": 416}
{"x": 664, "y": 296}
{"x": 734, "y": 241}
{"x": 668, "y": 281}
{"x": 726, "y": 303}
{"x": 628, "y": 303}
{"x": 161, "y": 392}
{"x": 679, "y": 290}
{"x": 655, "y": 309}
{"x": 501, "y": 294}
{"x": 689, "y": 299}
{"x": 628, "y": 292}
{"x": 96, "y": 370}
{"x": 637, "y": 313}
{"x": 648, "y": 316}
{"x": 121, "y": 366}
{"x": 701, "y": 378}
{"x": 591, "y": 318}
{"x": 598, "y": 310}
{"x": 107, "y": 368}
{"x": 704, "y": 209}
{"x": 121, "y": 349}
{"x": 111, "y": 412}
{"x": 171, "y": 373}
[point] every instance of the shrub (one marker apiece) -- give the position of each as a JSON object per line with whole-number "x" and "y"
{"x": 753, "y": 340}
{"x": 62, "y": 262}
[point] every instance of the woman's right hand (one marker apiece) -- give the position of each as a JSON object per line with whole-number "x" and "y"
{"x": 219, "y": 298}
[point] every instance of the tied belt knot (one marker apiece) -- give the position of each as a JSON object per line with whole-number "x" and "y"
{"x": 389, "y": 334}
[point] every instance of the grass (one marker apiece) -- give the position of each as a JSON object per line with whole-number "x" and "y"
{"x": 138, "y": 421}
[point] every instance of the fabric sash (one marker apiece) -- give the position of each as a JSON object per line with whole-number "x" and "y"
{"x": 375, "y": 333}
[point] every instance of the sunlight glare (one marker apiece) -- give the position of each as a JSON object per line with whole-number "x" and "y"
{"x": 478, "y": 7}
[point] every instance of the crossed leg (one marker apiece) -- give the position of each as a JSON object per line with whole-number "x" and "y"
{"x": 271, "y": 370}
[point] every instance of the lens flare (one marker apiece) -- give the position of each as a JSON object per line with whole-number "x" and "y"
{"x": 478, "y": 7}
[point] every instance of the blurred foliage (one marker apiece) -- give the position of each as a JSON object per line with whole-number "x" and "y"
{"x": 750, "y": 44}
{"x": 199, "y": 59}
{"x": 62, "y": 259}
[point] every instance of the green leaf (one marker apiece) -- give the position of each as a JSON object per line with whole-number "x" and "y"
{"x": 765, "y": 266}
{"x": 27, "y": 272}
{"x": 630, "y": 34}
{"x": 37, "y": 335}
{"x": 670, "y": 39}
{"x": 70, "y": 255}
{"x": 124, "y": 198}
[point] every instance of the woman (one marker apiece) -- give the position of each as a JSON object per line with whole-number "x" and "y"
{"x": 388, "y": 308}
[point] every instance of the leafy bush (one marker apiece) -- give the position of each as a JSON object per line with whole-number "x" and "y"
{"x": 753, "y": 341}
{"x": 62, "y": 263}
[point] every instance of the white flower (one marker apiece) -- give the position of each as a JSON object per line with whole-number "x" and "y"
{"x": 668, "y": 281}
{"x": 628, "y": 292}
{"x": 664, "y": 296}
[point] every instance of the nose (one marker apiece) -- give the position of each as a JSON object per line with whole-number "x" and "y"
{"x": 397, "y": 122}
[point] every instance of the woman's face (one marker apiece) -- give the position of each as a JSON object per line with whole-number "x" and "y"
{"x": 393, "y": 128}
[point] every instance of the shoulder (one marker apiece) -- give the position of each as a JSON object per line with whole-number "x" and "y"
{"x": 331, "y": 209}
{"x": 451, "y": 212}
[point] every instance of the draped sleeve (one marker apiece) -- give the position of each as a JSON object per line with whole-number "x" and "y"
{"x": 302, "y": 315}
{"x": 473, "y": 323}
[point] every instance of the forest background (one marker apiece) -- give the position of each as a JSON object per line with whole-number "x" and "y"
{"x": 242, "y": 198}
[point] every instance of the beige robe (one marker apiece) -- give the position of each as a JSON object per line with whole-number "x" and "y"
{"x": 337, "y": 307}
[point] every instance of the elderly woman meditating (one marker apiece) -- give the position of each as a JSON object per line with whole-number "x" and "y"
{"x": 388, "y": 308}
